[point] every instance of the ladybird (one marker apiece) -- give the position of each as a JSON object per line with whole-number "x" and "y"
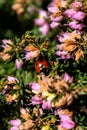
{"x": 41, "y": 65}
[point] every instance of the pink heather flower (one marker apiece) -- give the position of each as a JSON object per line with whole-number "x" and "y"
{"x": 12, "y": 79}
{"x": 35, "y": 86}
{"x": 74, "y": 25}
{"x": 76, "y": 5}
{"x": 57, "y": 19}
{"x": 63, "y": 36}
{"x": 41, "y": 19}
{"x": 14, "y": 128}
{"x": 15, "y": 122}
{"x": 32, "y": 54}
{"x": 59, "y": 47}
{"x": 6, "y": 42}
{"x": 6, "y": 45}
{"x": 52, "y": 9}
{"x": 19, "y": 63}
{"x": 39, "y": 22}
{"x": 60, "y": 53}
{"x": 66, "y": 122}
{"x": 70, "y": 12}
{"x": 79, "y": 16}
{"x": 54, "y": 24}
{"x": 63, "y": 54}
{"x": 46, "y": 105}
{"x": 36, "y": 100}
{"x": 66, "y": 57}
{"x": 42, "y": 14}
{"x": 57, "y": 111}
{"x": 68, "y": 78}
{"x": 28, "y": 55}
{"x": 44, "y": 29}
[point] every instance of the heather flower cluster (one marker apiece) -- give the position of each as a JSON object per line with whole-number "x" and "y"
{"x": 56, "y": 14}
{"x": 69, "y": 39}
{"x": 46, "y": 98}
{"x": 76, "y": 15}
{"x": 43, "y": 73}
{"x": 70, "y": 47}
{"x": 41, "y": 22}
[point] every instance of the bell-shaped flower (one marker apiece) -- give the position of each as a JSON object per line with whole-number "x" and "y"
{"x": 66, "y": 122}
{"x": 67, "y": 78}
{"x": 19, "y": 63}
{"x": 36, "y": 100}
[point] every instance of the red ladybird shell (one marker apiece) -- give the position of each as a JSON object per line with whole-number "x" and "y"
{"x": 40, "y": 65}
